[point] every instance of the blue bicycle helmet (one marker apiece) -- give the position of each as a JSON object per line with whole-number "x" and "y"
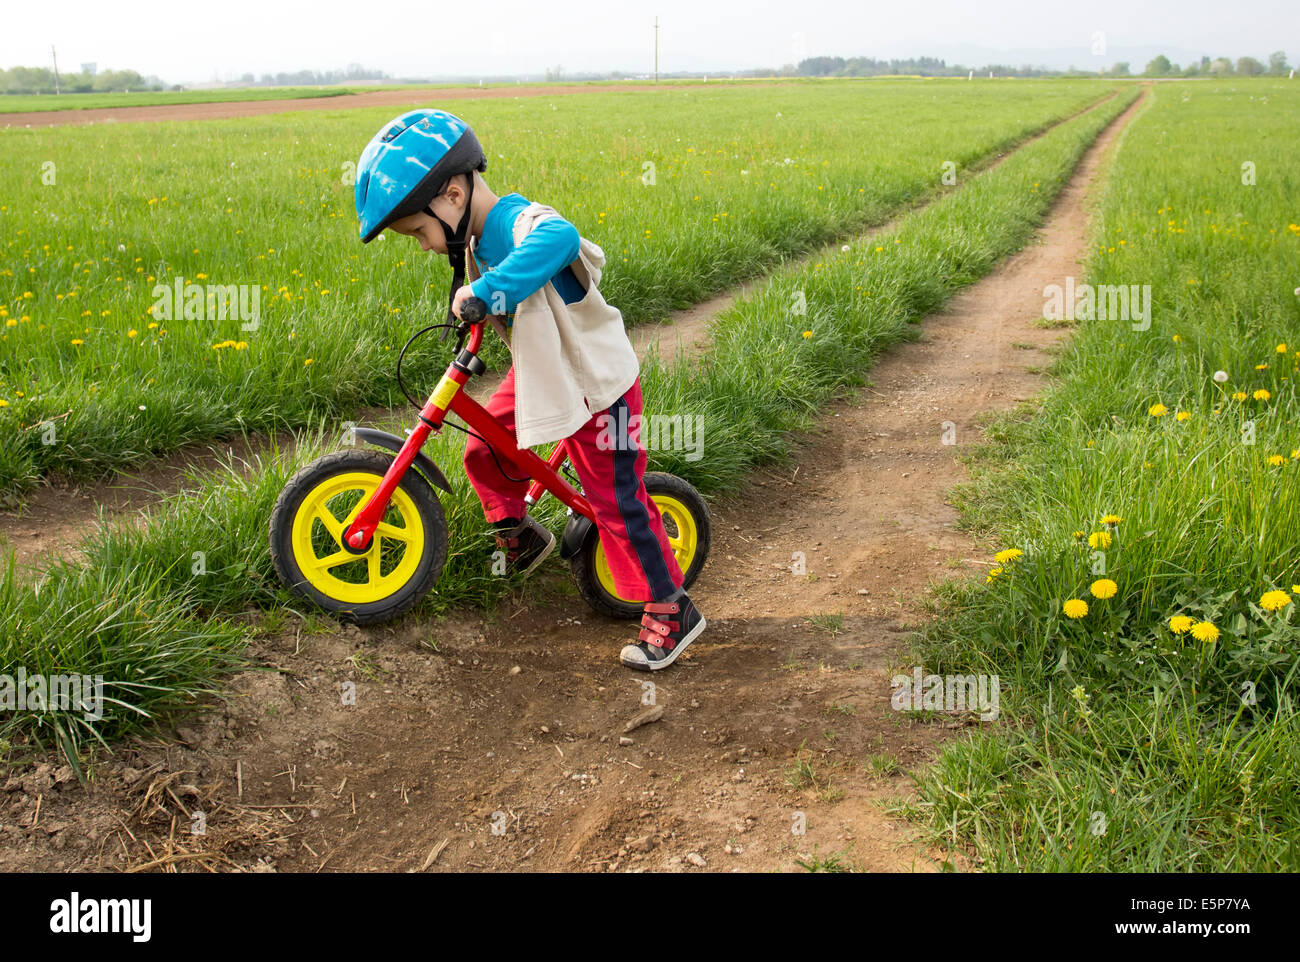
{"x": 406, "y": 165}
{"x": 408, "y": 162}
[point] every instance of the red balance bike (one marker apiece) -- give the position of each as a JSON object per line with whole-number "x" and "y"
{"x": 362, "y": 534}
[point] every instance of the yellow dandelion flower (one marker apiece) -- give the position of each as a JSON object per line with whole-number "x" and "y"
{"x": 1276, "y": 460}
{"x": 77, "y": 342}
{"x": 1239, "y": 396}
{"x": 1100, "y": 540}
{"x": 1157, "y": 410}
{"x": 1274, "y": 600}
{"x": 1261, "y": 395}
{"x": 307, "y": 362}
{"x": 132, "y": 333}
{"x": 1204, "y": 631}
{"x": 1077, "y": 535}
{"x": 1075, "y": 608}
{"x": 1181, "y": 624}
{"x": 1111, "y": 519}
{"x": 1183, "y": 416}
{"x": 993, "y": 573}
{"x": 1103, "y": 588}
{"x": 1010, "y": 554}
{"x": 807, "y": 334}
{"x": 1281, "y": 348}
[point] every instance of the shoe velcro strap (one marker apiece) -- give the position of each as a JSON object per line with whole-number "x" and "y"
{"x": 662, "y": 607}
{"x": 650, "y": 638}
{"x": 662, "y": 627}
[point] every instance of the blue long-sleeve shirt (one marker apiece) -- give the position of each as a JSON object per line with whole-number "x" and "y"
{"x": 517, "y": 272}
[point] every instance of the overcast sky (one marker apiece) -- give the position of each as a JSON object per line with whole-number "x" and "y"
{"x": 181, "y": 42}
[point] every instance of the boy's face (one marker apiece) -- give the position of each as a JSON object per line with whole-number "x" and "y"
{"x": 449, "y": 205}
{"x": 424, "y": 229}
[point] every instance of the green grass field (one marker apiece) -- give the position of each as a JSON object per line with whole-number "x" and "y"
{"x": 94, "y": 219}
{"x": 1143, "y": 620}
{"x": 165, "y": 632}
{"x": 1157, "y": 731}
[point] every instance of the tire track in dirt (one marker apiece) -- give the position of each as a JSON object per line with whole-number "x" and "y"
{"x": 512, "y": 720}
{"x": 56, "y": 515}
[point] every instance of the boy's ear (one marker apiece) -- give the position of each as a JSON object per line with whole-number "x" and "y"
{"x": 458, "y": 190}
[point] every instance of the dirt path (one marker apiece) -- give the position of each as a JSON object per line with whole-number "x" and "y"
{"x": 513, "y": 720}
{"x": 407, "y": 97}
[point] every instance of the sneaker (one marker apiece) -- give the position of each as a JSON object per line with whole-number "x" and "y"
{"x": 668, "y": 627}
{"x": 526, "y": 546}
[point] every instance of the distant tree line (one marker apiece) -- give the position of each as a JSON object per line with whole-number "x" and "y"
{"x": 916, "y": 66}
{"x": 312, "y": 78}
{"x": 1160, "y": 66}
{"x": 40, "y": 80}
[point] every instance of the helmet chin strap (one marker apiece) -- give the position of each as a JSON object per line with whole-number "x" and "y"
{"x": 456, "y": 242}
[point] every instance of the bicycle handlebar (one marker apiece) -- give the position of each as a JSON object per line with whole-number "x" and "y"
{"x": 473, "y": 310}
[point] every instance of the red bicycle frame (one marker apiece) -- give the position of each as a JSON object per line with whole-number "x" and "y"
{"x": 449, "y": 397}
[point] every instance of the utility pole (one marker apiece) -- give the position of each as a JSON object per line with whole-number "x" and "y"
{"x": 56, "y": 68}
{"x": 656, "y": 49}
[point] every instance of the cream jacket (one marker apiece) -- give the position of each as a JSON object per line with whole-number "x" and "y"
{"x": 571, "y": 360}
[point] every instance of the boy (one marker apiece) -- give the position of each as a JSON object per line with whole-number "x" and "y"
{"x": 578, "y": 375}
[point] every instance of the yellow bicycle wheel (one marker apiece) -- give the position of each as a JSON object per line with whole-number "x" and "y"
{"x": 686, "y": 522}
{"x": 331, "y": 569}
{"x": 405, "y": 555}
{"x": 683, "y": 536}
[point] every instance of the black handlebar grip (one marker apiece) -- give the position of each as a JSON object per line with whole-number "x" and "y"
{"x": 473, "y": 310}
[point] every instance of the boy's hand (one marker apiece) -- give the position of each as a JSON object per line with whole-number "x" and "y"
{"x": 462, "y": 295}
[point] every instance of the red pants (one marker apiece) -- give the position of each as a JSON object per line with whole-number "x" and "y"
{"x": 610, "y": 460}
